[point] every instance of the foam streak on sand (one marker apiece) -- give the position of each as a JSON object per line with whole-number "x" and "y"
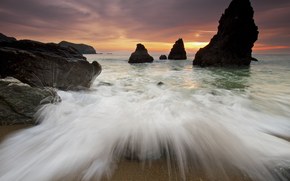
{"x": 85, "y": 135}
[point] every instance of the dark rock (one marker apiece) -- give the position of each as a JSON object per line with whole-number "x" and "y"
{"x": 82, "y": 48}
{"x": 105, "y": 84}
{"x": 6, "y": 38}
{"x": 19, "y": 102}
{"x": 177, "y": 52}
{"x": 232, "y": 45}
{"x": 46, "y": 65}
{"x": 160, "y": 83}
{"x": 140, "y": 55}
{"x": 163, "y": 57}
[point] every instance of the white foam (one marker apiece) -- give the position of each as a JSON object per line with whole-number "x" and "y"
{"x": 85, "y": 135}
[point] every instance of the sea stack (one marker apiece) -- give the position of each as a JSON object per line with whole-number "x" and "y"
{"x": 177, "y": 52}
{"x": 140, "y": 55}
{"x": 233, "y": 43}
{"x": 163, "y": 57}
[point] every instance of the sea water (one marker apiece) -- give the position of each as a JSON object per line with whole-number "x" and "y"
{"x": 208, "y": 118}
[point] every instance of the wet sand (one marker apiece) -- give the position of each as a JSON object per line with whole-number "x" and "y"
{"x": 6, "y": 130}
{"x": 131, "y": 170}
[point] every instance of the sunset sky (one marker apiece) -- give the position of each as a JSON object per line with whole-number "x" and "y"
{"x": 111, "y": 25}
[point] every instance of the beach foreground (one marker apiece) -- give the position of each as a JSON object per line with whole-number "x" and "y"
{"x": 134, "y": 170}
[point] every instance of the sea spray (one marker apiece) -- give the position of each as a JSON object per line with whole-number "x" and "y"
{"x": 189, "y": 124}
{"x": 82, "y": 134}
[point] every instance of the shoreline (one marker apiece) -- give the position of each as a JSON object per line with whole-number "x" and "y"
{"x": 156, "y": 170}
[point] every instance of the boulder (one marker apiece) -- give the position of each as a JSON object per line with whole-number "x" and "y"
{"x": 82, "y": 48}
{"x": 232, "y": 45}
{"x": 46, "y": 65}
{"x": 163, "y": 57}
{"x": 178, "y": 52}
{"x": 140, "y": 55}
{"x": 19, "y": 102}
{"x": 6, "y": 38}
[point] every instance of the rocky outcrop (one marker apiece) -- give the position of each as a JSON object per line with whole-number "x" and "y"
{"x": 46, "y": 65}
{"x": 6, "y": 38}
{"x": 140, "y": 55}
{"x": 178, "y": 52}
{"x": 19, "y": 102}
{"x": 82, "y": 48}
{"x": 232, "y": 45}
{"x": 163, "y": 57}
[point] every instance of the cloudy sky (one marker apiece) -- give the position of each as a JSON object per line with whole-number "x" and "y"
{"x": 111, "y": 25}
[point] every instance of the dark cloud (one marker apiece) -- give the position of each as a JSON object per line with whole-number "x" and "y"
{"x": 150, "y": 20}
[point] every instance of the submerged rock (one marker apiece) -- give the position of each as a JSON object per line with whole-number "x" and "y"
{"x": 19, "y": 102}
{"x": 232, "y": 45}
{"x": 140, "y": 55}
{"x": 160, "y": 83}
{"x": 46, "y": 65}
{"x": 82, "y": 48}
{"x": 163, "y": 57}
{"x": 178, "y": 52}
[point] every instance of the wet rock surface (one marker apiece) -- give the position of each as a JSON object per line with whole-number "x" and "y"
{"x": 19, "y": 102}
{"x": 46, "y": 65}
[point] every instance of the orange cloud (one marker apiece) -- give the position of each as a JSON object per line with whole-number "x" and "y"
{"x": 264, "y": 47}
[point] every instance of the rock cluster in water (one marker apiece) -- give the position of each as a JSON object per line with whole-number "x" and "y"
{"x": 232, "y": 45}
{"x": 46, "y": 65}
{"x": 178, "y": 51}
{"x": 82, "y": 48}
{"x": 140, "y": 55}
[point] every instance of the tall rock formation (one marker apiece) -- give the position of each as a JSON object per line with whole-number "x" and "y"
{"x": 177, "y": 52}
{"x": 140, "y": 55}
{"x": 232, "y": 45}
{"x": 82, "y": 48}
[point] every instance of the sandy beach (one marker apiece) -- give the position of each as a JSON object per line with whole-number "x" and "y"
{"x": 6, "y": 130}
{"x": 132, "y": 170}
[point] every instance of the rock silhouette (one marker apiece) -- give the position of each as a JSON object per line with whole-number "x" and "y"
{"x": 163, "y": 57}
{"x": 177, "y": 52}
{"x": 82, "y": 48}
{"x": 140, "y": 55}
{"x": 6, "y": 38}
{"x": 232, "y": 45}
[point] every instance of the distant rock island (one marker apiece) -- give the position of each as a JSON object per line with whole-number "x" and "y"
{"x": 178, "y": 52}
{"x": 140, "y": 55}
{"x": 233, "y": 43}
{"x": 163, "y": 57}
{"x": 82, "y": 48}
{"x": 6, "y": 38}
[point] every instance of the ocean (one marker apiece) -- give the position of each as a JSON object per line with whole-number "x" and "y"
{"x": 211, "y": 118}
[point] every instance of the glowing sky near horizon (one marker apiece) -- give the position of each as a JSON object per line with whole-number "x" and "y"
{"x": 120, "y": 24}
